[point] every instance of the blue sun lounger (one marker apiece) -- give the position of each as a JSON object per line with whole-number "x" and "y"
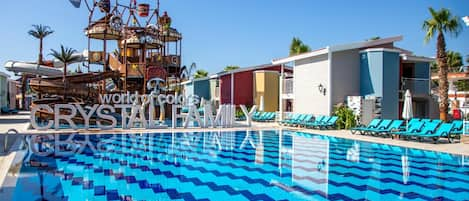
{"x": 290, "y": 118}
{"x": 382, "y": 125}
{"x": 443, "y": 131}
{"x": 373, "y": 124}
{"x": 395, "y": 125}
{"x": 299, "y": 121}
{"x": 269, "y": 117}
{"x": 259, "y": 116}
{"x": 317, "y": 121}
{"x": 457, "y": 127}
{"x": 325, "y": 124}
{"x": 299, "y": 117}
{"x": 418, "y": 128}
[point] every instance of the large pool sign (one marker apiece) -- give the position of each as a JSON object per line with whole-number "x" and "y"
{"x": 133, "y": 110}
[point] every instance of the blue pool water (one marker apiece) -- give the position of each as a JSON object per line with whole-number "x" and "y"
{"x": 247, "y": 165}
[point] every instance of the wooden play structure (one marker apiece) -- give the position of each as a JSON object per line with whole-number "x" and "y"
{"x": 147, "y": 48}
{"x": 130, "y": 44}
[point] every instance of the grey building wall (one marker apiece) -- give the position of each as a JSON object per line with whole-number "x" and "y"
{"x": 345, "y": 70}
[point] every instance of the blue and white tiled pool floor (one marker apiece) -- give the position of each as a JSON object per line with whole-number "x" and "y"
{"x": 247, "y": 165}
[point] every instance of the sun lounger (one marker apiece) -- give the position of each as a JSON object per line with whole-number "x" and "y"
{"x": 299, "y": 121}
{"x": 298, "y": 117}
{"x": 393, "y": 126}
{"x": 325, "y": 124}
{"x": 317, "y": 121}
{"x": 442, "y": 131}
{"x": 269, "y": 117}
{"x": 373, "y": 124}
{"x": 385, "y": 123}
{"x": 290, "y": 118}
{"x": 266, "y": 116}
{"x": 457, "y": 127}
{"x": 259, "y": 116}
{"x": 7, "y": 110}
{"x": 418, "y": 128}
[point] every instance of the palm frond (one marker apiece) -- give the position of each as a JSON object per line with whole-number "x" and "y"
{"x": 65, "y": 55}
{"x": 443, "y": 22}
{"x": 40, "y": 31}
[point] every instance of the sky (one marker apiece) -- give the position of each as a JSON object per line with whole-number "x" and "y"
{"x": 242, "y": 32}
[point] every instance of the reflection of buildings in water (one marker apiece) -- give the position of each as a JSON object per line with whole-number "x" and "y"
{"x": 373, "y": 174}
{"x": 310, "y": 158}
{"x": 353, "y": 153}
{"x": 259, "y": 158}
{"x": 285, "y": 150}
{"x": 215, "y": 142}
{"x": 405, "y": 168}
{"x": 257, "y": 146}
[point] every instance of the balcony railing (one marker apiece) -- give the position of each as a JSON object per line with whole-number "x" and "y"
{"x": 417, "y": 86}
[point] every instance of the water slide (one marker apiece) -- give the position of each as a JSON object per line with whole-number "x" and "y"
{"x": 54, "y": 69}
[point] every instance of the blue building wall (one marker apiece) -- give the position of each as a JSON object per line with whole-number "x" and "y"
{"x": 379, "y": 77}
{"x": 390, "y": 101}
{"x": 371, "y": 74}
{"x": 202, "y": 89}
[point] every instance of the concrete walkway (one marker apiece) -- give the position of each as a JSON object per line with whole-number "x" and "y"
{"x": 18, "y": 121}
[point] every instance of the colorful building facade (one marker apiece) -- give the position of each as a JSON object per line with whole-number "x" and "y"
{"x": 245, "y": 86}
{"x": 372, "y": 69}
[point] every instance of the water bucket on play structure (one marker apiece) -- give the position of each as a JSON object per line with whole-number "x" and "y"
{"x": 104, "y": 6}
{"x": 143, "y": 9}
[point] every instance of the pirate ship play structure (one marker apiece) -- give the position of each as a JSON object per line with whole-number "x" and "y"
{"x": 147, "y": 48}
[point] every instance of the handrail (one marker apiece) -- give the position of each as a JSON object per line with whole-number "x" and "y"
{"x": 5, "y": 142}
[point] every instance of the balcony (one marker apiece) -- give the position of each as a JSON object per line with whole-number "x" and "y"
{"x": 417, "y": 86}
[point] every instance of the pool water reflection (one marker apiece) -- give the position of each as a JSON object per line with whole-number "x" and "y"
{"x": 241, "y": 165}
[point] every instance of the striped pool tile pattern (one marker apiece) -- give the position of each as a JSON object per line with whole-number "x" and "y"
{"x": 241, "y": 165}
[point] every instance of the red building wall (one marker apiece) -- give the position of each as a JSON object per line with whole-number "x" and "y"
{"x": 243, "y": 86}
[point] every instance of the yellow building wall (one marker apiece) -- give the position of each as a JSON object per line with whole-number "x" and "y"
{"x": 266, "y": 83}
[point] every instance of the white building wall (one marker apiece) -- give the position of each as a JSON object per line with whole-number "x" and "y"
{"x": 345, "y": 78}
{"x": 308, "y": 74}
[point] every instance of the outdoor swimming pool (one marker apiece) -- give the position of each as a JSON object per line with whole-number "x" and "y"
{"x": 241, "y": 165}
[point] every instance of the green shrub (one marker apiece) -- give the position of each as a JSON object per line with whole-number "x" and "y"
{"x": 346, "y": 117}
{"x": 239, "y": 113}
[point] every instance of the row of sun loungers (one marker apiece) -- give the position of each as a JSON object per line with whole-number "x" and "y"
{"x": 264, "y": 116}
{"x": 418, "y": 129}
{"x": 310, "y": 121}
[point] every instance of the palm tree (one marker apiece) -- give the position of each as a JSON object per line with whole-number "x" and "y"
{"x": 187, "y": 72}
{"x": 454, "y": 60}
{"x": 230, "y": 68}
{"x": 297, "y": 47}
{"x": 65, "y": 56}
{"x": 441, "y": 22}
{"x": 200, "y": 74}
{"x": 40, "y": 31}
